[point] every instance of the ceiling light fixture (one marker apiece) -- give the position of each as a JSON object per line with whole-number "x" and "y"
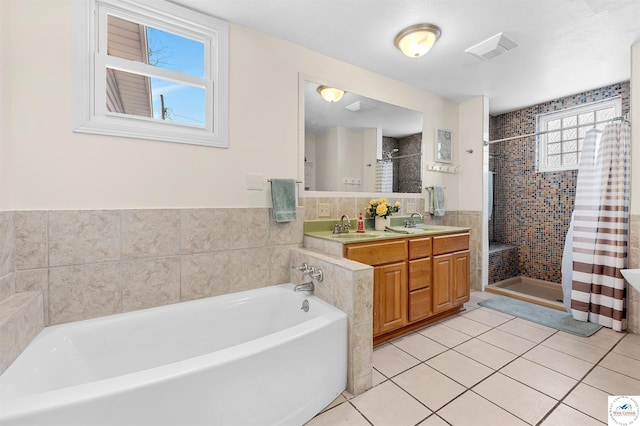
{"x": 330, "y": 94}
{"x": 416, "y": 40}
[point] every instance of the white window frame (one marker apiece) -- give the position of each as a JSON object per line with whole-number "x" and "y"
{"x": 544, "y": 119}
{"x": 90, "y": 61}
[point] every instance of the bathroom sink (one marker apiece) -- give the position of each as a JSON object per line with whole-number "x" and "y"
{"x": 633, "y": 277}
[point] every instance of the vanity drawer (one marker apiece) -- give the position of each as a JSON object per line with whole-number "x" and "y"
{"x": 420, "y": 304}
{"x": 377, "y": 253}
{"x": 450, "y": 243}
{"x": 419, "y": 273}
{"x": 419, "y": 247}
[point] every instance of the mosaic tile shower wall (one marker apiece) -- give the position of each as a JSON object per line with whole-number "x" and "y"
{"x": 533, "y": 210}
{"x": 407, "y": 175}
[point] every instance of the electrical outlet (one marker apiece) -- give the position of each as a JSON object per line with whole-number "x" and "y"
{"x": 324, "y": 210}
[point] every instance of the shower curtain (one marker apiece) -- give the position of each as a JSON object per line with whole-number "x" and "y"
{"x": 600, "y": 231}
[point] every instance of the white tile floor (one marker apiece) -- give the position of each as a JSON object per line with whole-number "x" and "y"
{"x": 484, "y": 367}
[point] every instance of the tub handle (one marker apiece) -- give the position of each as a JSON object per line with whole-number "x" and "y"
{"x": 303, "y": 268}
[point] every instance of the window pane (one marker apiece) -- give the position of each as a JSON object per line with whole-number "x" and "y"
{"x": 582, "y": 131}
{"x": 570, "y": 146}
{"x": 553, "y": 137}
{"x": 553, "y": 124}
{"x": 569, "y": 134}
{"x": 569, "y": 121}
{"x": 604, "y": 114}
{"x": 128, "y": 93}
{"x": 570, "y": 159}
{"x": 553, "y": 160}
{"x": 585, "y": 118}
{"x": 136, "y": 42}
{"x": 182, "y": 103}
{"x": 135, "y": 94}
{"x": 553, "y": 148}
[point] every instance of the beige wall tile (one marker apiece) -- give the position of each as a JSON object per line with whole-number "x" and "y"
{"x": 149, "y": 283}
{"x": 287, "y": 232}
{"x": 280, "y": 263}
{"x": 248, "y": 269}
{"x": 17, "y": 330}
{"x": 35, "y": 280}
{"x": 347, "y": 206}
{"x": 248, "y": 227}
{"x": 7, "y": 243}
{"x": 150, "y": 233}
{"x": 7, "y": 285}
{"x": 84, "y": 291}
{"x": 310, "y": 207}
{"x": 204, "y": 275}
{"x": 79, "y": 237}
{"x": 31, "y": 240}
{"x": 204, "y": 230}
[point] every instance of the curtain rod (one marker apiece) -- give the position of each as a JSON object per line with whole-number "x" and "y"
{"x": 622, "y": 118}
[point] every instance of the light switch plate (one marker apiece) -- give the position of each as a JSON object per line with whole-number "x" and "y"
{"x": 255, "y": 182}
{"x": 324, "y": 210}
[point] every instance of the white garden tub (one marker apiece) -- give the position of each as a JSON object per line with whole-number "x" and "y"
{"x": 249, "y": 358}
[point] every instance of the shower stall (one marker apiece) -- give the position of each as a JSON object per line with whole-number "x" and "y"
{"x": 530, "y": 211}
{"x": 513, "y": 266}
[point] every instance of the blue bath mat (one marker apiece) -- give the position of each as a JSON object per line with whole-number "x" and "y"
{"x": 553, "y": 318}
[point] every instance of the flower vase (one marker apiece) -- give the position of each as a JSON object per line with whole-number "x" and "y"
{"x": 382, "y": 222}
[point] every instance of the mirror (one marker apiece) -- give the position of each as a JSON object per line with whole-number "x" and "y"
{"x": 359, "y": 144}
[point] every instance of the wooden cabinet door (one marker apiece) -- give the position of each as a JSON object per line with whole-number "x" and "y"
{"x": 461, "y": 278}
{"x": 442, "y": 283}
{"x": 390, "y": 297}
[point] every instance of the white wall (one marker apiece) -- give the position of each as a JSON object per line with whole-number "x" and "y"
{"x": 4, "y": 99}
{"x": 46, "y": 166}
{"x": 471, "y": 133}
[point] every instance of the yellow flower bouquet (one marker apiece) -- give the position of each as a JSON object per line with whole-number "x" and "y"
{"x": 380, "y": 207}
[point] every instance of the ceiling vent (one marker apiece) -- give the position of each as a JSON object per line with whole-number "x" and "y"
{"x": 359, "y": 106}
{"x": 492, "y": 47}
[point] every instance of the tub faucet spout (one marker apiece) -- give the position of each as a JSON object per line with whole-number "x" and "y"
{"x": 304, "y": 287}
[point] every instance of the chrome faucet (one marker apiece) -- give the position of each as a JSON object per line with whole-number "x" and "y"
{"x": 342, "y": 228}
{"x": 410, "y": 223}
{"x": 304, "y": 287}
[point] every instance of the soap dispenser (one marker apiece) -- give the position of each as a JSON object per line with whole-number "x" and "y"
{"x": 360, "y": 224}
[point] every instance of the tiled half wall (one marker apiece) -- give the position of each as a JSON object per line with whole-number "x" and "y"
{"x": 102, "y": 262}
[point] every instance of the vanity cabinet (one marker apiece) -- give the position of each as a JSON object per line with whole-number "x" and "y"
{"x": 390, "y": 293}
{"x": 451, "y": 264}
{"x": 417, "y": 280}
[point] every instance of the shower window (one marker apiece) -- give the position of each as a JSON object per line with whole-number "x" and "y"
{"x": 561, "y": 133}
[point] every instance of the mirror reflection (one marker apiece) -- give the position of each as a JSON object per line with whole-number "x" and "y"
{"x": 359, "y": 144}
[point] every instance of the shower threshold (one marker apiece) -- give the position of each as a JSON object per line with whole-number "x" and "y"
{"x": 531, "y": 290}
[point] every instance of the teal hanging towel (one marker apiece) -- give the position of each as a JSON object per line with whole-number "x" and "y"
{"x": 283, "y": 196}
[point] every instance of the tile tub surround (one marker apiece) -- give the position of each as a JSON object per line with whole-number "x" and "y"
{"x": 91, "y": 263}
{"x": 533, "y": 210}
{"x": 347, "y": 285}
